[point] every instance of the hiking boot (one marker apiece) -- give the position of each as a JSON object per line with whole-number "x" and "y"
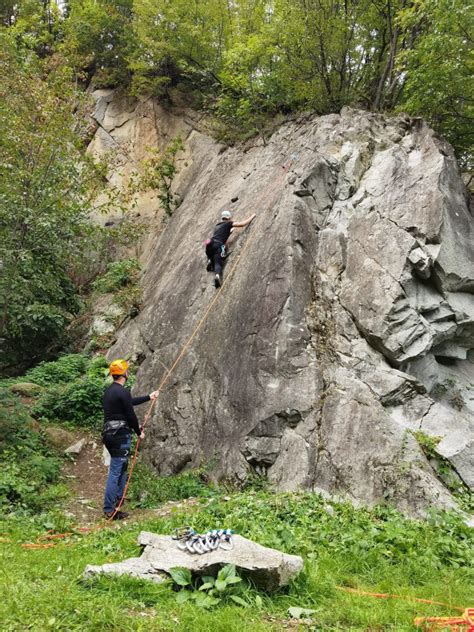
{"x": 217, "y": 281}
{"x": 115, "y": 515}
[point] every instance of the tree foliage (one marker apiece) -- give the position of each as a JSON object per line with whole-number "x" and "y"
{"x": 47, "y": 191}
{"x": 439, "y": 68}
{"x": 251, "y": 59}
{"x": 97, "y": 39}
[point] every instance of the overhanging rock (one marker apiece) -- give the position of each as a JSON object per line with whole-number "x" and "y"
{"x": 268, "y": 568}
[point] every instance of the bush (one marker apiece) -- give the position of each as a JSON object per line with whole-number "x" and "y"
{"x": 29, "y": 469}
{"x": 70, "y": 389}
{"x": 65, "y": 369}
{"x": 98, "y": 367}
{"x": 119, "y": 274}
{"x": 79, "y": 402}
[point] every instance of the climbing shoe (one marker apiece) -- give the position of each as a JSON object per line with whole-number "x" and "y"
{"x": 210, "y": 266}
{"x": 217, "y": 281}
{"x": 115, "y": 515}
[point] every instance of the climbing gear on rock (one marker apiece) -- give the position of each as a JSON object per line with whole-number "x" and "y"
{"x": 118, "y": 367}
{"x": 188, "y": 540}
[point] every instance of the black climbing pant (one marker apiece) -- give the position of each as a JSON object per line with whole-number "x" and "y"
{"x": 214, "y": 253}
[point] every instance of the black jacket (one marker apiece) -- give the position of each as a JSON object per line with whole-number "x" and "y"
{"x": 118, "y": 405}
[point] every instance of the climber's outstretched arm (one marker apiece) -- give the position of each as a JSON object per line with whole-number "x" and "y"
{"x": 244, "y": 223}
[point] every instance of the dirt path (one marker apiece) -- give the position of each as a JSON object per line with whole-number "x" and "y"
{"x": 85, "y": 475}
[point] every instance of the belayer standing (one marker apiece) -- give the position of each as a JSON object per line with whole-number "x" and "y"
{"x": 119, "y": 422}
{"x": 216, "y": 246}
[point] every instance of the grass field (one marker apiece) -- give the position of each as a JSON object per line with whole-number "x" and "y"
{"x": 374, "y": 550}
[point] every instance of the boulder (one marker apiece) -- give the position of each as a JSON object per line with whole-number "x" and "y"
{"x": 267, "y": 568}
{"x": 26, "y": 389}
{"x": 76, "y": 448}
{"x": 58, "y": 437}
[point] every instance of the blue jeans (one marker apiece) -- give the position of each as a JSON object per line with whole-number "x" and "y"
{"x": 117, "y": 478}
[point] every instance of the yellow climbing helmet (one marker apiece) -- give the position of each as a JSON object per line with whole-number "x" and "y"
{"x": 118, "y": 367}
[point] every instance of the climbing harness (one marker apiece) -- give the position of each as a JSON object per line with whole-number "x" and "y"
{"x": 188, "y": 540}
{"x": 223, "y": 248}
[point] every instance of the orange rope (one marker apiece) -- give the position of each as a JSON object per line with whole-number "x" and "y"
{"x": 457, "y": 624}
{"x": 356, "y": 591}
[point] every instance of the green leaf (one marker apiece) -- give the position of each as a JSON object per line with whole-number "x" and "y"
{"x": 227, "y": 571}
{"x": 258, "y": 601}
{"x": 183, "y": 596}
{"x": 180, "y": 576}
{"x": 239, "y": 600}
{"x": 202, "y": 600}
{"x": 210, "y": 601}
{"x": 233, "y": 580}
{"x": 221, "y": 584}
{"x": 206, "y": 586}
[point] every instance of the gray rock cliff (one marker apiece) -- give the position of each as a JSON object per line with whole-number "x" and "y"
{"x": 346, "y": 325}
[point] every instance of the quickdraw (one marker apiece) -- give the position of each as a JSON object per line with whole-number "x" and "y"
{"x": 188, "y": 540}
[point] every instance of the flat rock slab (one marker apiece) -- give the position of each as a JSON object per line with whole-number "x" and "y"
{"x": 268, "y": 568}
{"x": 76, "y": 448}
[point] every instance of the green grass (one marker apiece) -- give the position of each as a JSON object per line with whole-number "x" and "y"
{"x": 148, "y": 490}
{"x": 374, "y": 550}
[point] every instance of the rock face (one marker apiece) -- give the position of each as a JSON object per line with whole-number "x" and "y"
{"x": 347, "y": 323}
{"x": 268, "y": 568}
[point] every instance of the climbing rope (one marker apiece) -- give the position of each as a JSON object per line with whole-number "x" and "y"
{"x": 275, "y": 184}
{"x": 456, "y": 624}
{"x": 364, "y": 593}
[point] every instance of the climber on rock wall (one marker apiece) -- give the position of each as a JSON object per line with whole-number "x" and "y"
{"x": 216, "y": 245}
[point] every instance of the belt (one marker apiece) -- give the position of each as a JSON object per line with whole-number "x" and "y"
{"x": 115, "y": 425}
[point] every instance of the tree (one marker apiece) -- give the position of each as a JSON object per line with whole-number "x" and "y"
{"x": 35, "y": 24}
{"x": 98, "y": 39}
{"x": 439, "y": 68}
{"x": 47, "y": 190}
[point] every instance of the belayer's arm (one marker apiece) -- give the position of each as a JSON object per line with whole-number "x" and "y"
{"x": 136, "y": 401}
